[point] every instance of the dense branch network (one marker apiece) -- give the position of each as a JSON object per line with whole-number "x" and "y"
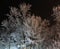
{"x": 23, "y": 28}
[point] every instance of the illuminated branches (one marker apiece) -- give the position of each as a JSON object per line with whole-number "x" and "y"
{"x": 55, "y": 29}
{"x": 22, "y": 28}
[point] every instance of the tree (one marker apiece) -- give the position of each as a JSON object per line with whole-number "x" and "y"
{"x": 23, "y": 29}
{"x": 56, "y": 28}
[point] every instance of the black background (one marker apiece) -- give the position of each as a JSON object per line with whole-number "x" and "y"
{"x": 39, "y": 7}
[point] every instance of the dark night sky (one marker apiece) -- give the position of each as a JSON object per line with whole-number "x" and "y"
{"x": 39, "y": 7}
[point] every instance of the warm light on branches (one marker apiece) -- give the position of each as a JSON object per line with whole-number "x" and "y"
{"x": 22, "y": 28}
